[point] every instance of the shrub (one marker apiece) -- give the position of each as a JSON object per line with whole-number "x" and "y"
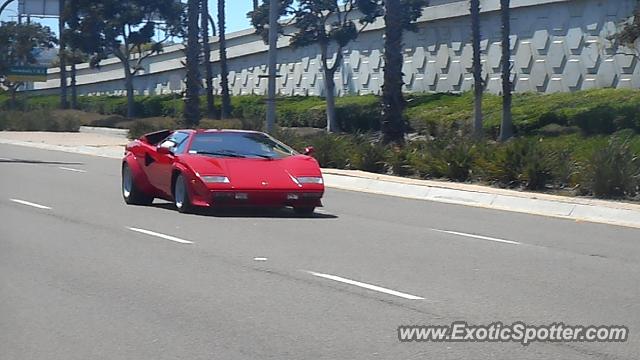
{"x": 614, "y": 170}
{"x": 520, "y": 162}
{"x": 38, "y": 120}
{"x": 140, "y": 127}
{"x": 332, "y": 150}
{"x": 397, "y": 160}
{"x": 367, "y": 155}
{"x": 537, "y": 170}
{"x": 420, "y": 160}
{"x": 112, "y": 121}
{"x": 459, "y": 156}
{"x": 221, "y": 124}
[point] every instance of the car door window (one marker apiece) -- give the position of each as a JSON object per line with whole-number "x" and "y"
{"x": 176, "y": 142}
{"x": 182, "y": 144}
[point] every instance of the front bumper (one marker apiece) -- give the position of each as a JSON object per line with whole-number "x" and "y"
{"x": 260, "y": 198}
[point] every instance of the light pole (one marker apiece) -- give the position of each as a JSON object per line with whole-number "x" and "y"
{"x": 5, "y": 4}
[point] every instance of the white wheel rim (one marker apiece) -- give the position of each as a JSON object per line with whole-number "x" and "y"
{"x": 180, "y": 194}
{"x": 127, "y": 182}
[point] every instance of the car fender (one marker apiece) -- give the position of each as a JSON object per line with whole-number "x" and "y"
{"x": 139, "y": 176}
{"x": 197, "y": 190}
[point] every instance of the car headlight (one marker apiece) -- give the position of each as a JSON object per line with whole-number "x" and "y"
{"x": 310, "y": 180}
{"x": 215, "y": 179}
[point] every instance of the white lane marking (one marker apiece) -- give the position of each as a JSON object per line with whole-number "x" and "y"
{"x": 366, "y": 286}
{"x": 162, "y": 236}
{"x": 30, "y": 204}
{"x": 260, "y": 259}
{"x": 478, "y": 237}
{"x": 72, "y": 169}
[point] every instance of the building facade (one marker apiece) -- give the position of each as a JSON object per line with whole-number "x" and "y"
{"x": 557, "y": 45}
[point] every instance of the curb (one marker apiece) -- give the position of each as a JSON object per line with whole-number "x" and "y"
{"x": 578, "y": 209}
{"x": 104, "y": 131}
{"x": 599, "y": 211}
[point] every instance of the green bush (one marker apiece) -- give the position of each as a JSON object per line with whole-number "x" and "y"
{"x": 367, "y": 155}
{"x": 332, "y": 151}
{"x": 614, "y": 170}
{"x": 38, "y": 120}
{"x": 397, "y": 159}
{"x": 140, "y": 127}
{"x": 459, "y": 156}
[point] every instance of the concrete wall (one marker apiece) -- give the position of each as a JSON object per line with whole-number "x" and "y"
{"x": 557, "y": 45}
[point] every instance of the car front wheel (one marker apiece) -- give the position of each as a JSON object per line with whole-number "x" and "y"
{"x": 181, "y": 195}
{"x": 130, "y": 192}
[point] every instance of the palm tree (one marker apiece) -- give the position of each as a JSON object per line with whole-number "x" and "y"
{"x": 64, "y": 103}
{"x": 224, "y": 68}
{"x": 399, "y": 15}
{"x": 206, "y": 48}
{"x": 478, "y": 82}
{"x": 506, "y": 128}
{"x": 75, "y": 57}
{"x": 255, "y": 5}
{"x": 393, "y": 124}
{"x": 192, "y": 99}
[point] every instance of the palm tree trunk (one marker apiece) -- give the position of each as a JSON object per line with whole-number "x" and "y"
{"x": 255, "y": 4}
{"x": 13, "y": 89}
{"x": 128, "y": 84}
{"x": 74, "y": 88}
{"x": 206, "y": 48}
{"x": 224, "y": 68}
{"x": 63, "y": 60}
{"x": 192, "y": 99}
{"x": 393, "y": 124}
{"x": 506, "y": 128}
{"x": 478, "y": 82}
{"x": 330, "y": 86}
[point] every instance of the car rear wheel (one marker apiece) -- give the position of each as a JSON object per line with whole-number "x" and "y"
{"x": 130, "y": 192}
{"x": 181, "y": 195}
{"x": 304, "y": 210}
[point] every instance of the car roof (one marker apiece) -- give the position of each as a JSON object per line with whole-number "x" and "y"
{"x": 207, "y": 131}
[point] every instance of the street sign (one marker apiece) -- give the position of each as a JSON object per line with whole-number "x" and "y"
{"x": 27, "y": 73}
{"x": 44, "y": 8}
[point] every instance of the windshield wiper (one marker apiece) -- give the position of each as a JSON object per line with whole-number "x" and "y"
{"x": 221, "y": 153}
{"x": 260, "y": 155}
{"x": 231, "y": 153}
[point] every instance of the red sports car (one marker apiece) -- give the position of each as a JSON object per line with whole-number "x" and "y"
{"x": 220, "y": 168}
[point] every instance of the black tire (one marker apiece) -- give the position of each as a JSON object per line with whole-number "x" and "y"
{"x": 130, "y": 192}
{"x": 307, "y": 211}
{"x": 181, "y": 198}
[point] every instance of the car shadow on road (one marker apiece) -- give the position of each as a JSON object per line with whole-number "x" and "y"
{"x": 285, "y": 213}
{"x": 37, "y": 162}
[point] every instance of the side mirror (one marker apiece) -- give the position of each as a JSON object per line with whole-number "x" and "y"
{"x": 164, "y": 151}
{"x": 309, "y": 150}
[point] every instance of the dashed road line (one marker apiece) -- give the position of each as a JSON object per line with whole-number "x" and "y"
{"x": 162, "y": 236}
{"x": 365, "y": 285}
{"x": 72, "y": 169}
{"x": 28, "y": 203}
{"x": 474, "y": 236}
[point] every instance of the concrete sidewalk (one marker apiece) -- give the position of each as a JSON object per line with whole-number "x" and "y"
{"x": 579, "y": 209}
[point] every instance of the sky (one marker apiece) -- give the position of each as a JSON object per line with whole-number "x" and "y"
{"x": 236, "y": 14}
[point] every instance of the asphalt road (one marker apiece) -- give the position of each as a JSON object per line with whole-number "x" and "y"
{"x": 83, "y": 276}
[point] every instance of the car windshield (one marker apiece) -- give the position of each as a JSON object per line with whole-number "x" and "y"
{"x": 240, "y": 145}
